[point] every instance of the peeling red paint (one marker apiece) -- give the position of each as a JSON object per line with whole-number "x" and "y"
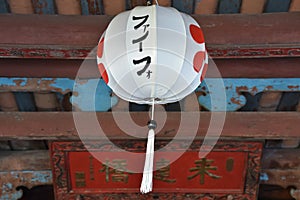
{"x": 241, "y": 89}
{"x": 18, "y": 82}
{"x": 248, "y": 52}
{"x": 47, "y": 52}
{"x": 34, "y": 84}
{"x": 254, "y": 90}
{"x": 83, "y": 52}
{"x": 293, "y": 86}
{"x": 235, "y": 101}
{"x": 269, "y": 87}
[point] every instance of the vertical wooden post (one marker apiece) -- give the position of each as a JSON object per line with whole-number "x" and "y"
{"x": 8, "y": 102}
{"x": 114, "y": 8}
{"x": 206, "y": 6}
{"x": 269, "y": 101}
{"x": 21, "y": 6}
{"x": 68, "y": 7}
{"x": 295, "y": 6}
{"x": 46, "y": 101}
{"x": 252, "y": 6}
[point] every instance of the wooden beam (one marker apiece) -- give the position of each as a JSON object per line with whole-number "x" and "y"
{"x": 24, "y": 160}
{"x": 282, "y": 167}
{"x": 60, "y": 125}
{"x": 223, "y": 33}
{"x": 281, "y": 159}
{"x": 229, "y": 68}
{"x": 257, "y": 68}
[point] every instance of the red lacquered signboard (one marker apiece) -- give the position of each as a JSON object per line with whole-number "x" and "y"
{"x": 230, "y": 171}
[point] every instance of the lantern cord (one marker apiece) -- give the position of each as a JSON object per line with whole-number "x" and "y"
{"x": 152, "y": 109}
{"x": 147, "y": 180}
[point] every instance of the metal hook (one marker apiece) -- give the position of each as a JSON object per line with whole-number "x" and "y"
{"x": 149, "y": 2}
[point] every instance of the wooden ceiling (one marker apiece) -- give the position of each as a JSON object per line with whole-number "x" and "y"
{"x": 109, "y": 7}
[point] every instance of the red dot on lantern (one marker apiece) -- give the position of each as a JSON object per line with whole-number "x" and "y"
{"x": 100, "y": 48}
{"x": 103, "y": 72}
{"x": 198, "y": 60}
{"x": 196, "y": 33}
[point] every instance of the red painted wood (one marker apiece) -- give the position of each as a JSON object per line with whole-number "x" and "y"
{"x": 53, "y": 29}
{"x": 47, "y": 68}
{"x": 229, "y": 68}
{"x": 71, "y": 158}
{"x": 257, "y": 68}
{"x": 74, "y": 37}
{"x": 86, "y": 30}
{"x": 97, "y": 182}
{"x": 215, "y": 51}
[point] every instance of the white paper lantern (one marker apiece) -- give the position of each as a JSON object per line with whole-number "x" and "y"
{"x": 152, "y": 55}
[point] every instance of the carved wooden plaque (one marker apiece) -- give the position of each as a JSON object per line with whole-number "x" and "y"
{"x": 230, "y": 171}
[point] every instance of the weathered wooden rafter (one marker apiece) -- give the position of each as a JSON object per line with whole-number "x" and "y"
{"x": 227, "y": 36}
{"x": 60, "y": 126}
{"x": 229, "y": 68}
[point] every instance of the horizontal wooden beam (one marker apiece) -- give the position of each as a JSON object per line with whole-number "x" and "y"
{"x": 60, "y": 125}
{"x": 86, "y": 30}
{"x": 52, "y": 36}
{"x": 228, "y": 68}
{"x": 36, "y": 160}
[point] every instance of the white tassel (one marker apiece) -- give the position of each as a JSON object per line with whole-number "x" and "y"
{"x": 146, "y": 185}
{"x": 147, "y": 180}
